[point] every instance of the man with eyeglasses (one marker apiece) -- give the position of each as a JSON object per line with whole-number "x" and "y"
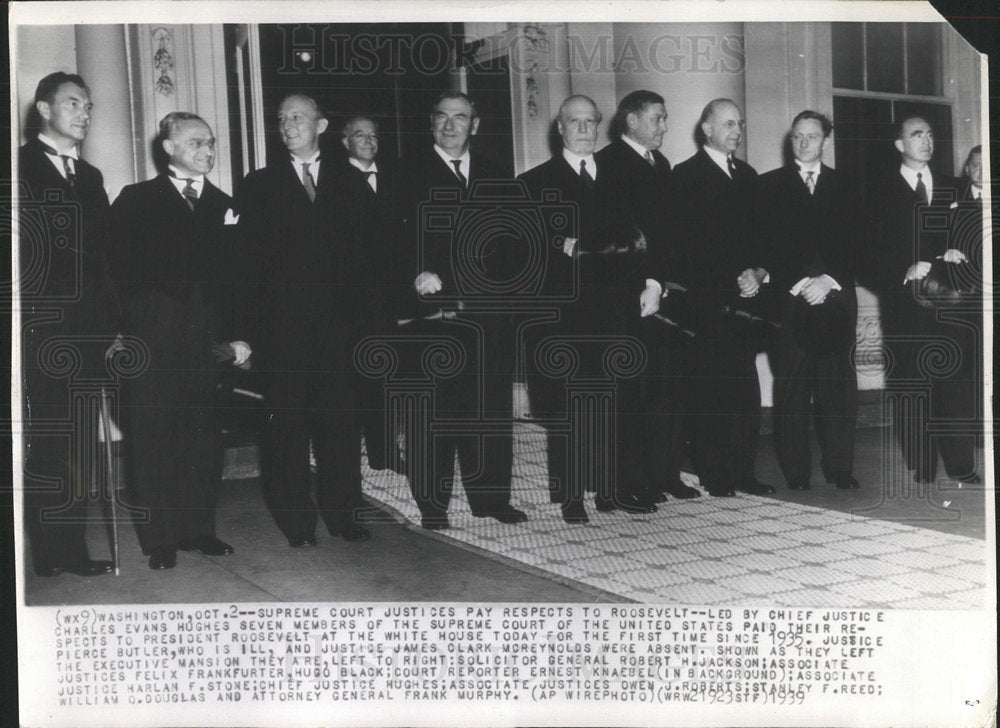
{"x": 299, "y": 229}
{"x": 716, "y": 234}
{"x": 169, "y": 261}
{"x": 379, "y": 198}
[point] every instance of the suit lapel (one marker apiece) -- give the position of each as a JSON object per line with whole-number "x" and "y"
{"x": 50, "y": 175}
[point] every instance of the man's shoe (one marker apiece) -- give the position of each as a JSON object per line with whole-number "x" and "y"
{"x": 845, "y": 481}
{"x": 208, "y": 545}
{"x": 799, "y": 485}
{"x": 354, "y": 532}
{"x": 434, "y": 523}
{"x": 722, "y": 492}
{"x": 678, "y": 490}
{"x": 164, "y": 557}
{"x": 87, "y": 567}
{"x": 305, "y": 539}
{"x": 574, "y": 513}
{"x": 635, "y": 504}
{"x": 660, "y": 497}
{"x": 507, "y": 514}
{"x": 923, "y": 478}
{"x": 755, "y": 487}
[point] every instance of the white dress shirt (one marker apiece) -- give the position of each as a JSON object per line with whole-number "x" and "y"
{"x": 312, "y": 161}
{"x": 722, "y": 160}
{"x": 450, "y": 161}
{"x": 371, "y": 178}
{"x": 910, "y": 175}
{"x": 179, "y": 181}
{"x": 56, "y": 159}
{"x": 575, "y": 159}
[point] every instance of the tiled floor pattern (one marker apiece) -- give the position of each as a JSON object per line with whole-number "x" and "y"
{"x": 746, "y": 550}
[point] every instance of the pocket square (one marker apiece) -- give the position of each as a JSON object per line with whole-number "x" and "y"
{"x": 231, "y": 217}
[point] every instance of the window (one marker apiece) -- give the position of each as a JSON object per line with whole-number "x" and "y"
{"x": 899, "y": 58}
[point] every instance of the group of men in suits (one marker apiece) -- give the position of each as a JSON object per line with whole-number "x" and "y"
{"x": 696, "y": 268}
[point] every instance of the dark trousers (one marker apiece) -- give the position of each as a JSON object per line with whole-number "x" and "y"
{"x": 171, "y": 432}
{"x": 317, "y": 409}
{"x": 471, "y": 414}
{"x": 55, "y": 473}
{"x": 725, "y": 401}
{"x": 652, "y": 412}
{"x": 830, "y": 381}
{"x": 935, "y": 367}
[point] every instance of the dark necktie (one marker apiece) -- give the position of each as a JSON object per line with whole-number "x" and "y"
{"x": 650, "y": 159}
{"x": 585, "y": 177}
{"x": 67, "y": 167}
{"x": 732, "y": 167}
{"x": 308, "y": 182}
{"x": 921, "y": 188}
{"x": 371, "y": 180}
{"x": 810, "y": 182}
{"x": 189, "y": 192}
{"x": 458, "y": 172}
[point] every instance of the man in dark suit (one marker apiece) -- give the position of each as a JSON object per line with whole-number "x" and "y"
{"x": 474, "y": 406}
{"x": 585, "y": 272}
{"x": 297, "y": 223}
{"x": 808, "y": 219}
{"x": 380, "y": 193}
{"x": 168, "y": 260}
{"x": 638, "y": 176}
{"x": 716, "y": 230}
{"x": 906, "y": 240}
{"x": 64, "y": 293}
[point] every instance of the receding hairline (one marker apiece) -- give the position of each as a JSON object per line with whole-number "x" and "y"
{"x": 573, "y": 99}
{"x": 713, "y": 106}
{"x": 309, "y": 100}
{"x": 910, "y": 120}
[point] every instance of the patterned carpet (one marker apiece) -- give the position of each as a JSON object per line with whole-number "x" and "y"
{"x": 746, "y": 550}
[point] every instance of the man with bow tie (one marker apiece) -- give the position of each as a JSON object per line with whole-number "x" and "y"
{"x": 716, "y": 231}
{"x": 380, "y": 202}
{"x": 913, "y": 236}
{"x": 65, "y": 292}
{"x": 809, "y": 223}
{"x": 298, "y": 227}
{"x": 170, "y": 263}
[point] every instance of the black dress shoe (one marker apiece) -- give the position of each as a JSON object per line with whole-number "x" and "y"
{"x": 922, "y": 478}
{"x": 722, "y": 492}
{"x": 845, "y": 481}
{"x": 660, "y": 497}
{"x": 635, "y": 504}
{"x": 799, "y": 485}
{"x": 507, "y": 514}
{"x": 755, "y": 487}
{"x": 164, "y": 557}
{"x": 354, "y": 532}
{"x": 574, "y": 513}
{"x": 434, "y": 523}
{"x": 679, "y": 490}
{"x": 87, "y": 567}
{"x": 208, "y": 545}
{"x": 305, "y": 539}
